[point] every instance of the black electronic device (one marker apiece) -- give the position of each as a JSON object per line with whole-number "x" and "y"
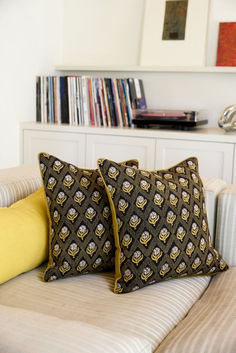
{"x": 179, "y": 119}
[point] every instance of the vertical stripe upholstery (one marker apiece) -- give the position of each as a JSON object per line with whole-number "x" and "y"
{"x": 212, "y": 187}
{"x": 17, "y": 183}
{"x": 210, "y": 326}
{"x": 226, "y": 224}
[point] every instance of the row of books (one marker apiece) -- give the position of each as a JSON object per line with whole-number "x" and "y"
{"x": 91, "y": 101}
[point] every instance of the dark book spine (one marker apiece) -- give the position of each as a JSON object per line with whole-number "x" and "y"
{"x": 38, "y": 99}
{"x": 110, "y": 101}
{"x": 132, "y": 93}
{"x": 64, "y": 100}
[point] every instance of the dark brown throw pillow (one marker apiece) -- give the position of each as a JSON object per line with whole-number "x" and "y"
{"x": 81, "y": 235}
{"x": 160, "y": 224}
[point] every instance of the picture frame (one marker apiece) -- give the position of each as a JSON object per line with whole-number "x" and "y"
{"x": 190, "y": 51}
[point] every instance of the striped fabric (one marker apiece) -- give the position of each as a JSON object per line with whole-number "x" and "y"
{"x": 212, "y": 188}
{"x": 83, "y": 312}
{"x": 210, "y": 326}
{"x": 32, "y": 332}
{"x": 17, "y": 183}
{"x": 226, "y": 225}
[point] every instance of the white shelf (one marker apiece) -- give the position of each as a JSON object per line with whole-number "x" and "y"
{"x": 192, "y": 69}
{"x": 198, "y": 134}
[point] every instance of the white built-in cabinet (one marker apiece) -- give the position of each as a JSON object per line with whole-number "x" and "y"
{"x": 119, "y": 148}
{"x": 155, "y": 149}
{"x": 215, "y": 159}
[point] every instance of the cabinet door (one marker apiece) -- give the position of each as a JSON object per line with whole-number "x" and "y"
{"x": 215, "y": 159}
{"x": 120, "y": 148}
{"x": 67, "y": 146}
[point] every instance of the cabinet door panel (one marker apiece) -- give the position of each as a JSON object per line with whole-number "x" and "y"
{"x": 69, "y": 147}
{"x": 215, "y": 159}
{"x": 120, "y": 148}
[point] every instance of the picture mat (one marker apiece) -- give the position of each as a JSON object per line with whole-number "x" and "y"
{"x": 188, "y": 52}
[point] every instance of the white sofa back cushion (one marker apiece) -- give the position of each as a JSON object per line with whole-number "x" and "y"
{"x": 17, "y": 183}
{"x": 212, "y": 187}
{"x": 225, "y": 240}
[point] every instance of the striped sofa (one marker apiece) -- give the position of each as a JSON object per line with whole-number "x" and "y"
{"x": 83, "y": 315}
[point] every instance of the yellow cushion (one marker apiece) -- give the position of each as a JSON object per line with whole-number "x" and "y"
{"x": 23, "y": 235}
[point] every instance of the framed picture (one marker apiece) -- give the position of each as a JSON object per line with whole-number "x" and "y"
{"x": 174, "y": 33}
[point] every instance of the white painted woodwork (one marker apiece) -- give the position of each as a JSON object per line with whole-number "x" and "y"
{"x": 154, "y": 148}
{"x": 120, "y": 148}
{"x": 215, "y": 159}
{"x": 142, "y": 68}
{"x": 66, "y": 146}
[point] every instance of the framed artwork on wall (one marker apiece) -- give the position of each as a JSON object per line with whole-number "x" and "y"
{"x": 174, "y": 33}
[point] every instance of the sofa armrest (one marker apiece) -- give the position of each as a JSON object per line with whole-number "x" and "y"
{"x": 225, "y": 240}
{"x": 212, "y": 188}
{"x": 17, "y": 183}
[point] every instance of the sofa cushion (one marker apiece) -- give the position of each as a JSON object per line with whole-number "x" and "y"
{"x": 210, "y": 326}
{"x": 23, "y": 235}
{"x": 226, "y": 224}
{"x": 212, "y": 187}
{"x": 81, "y": 239}
{"x": 160, "y": 224}
{"x": 32, "y": 330}
{"x": 141, "y": 318}
{"x": 17, "y": 183}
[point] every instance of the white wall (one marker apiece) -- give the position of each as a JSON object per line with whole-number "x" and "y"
{"x": 106, "y": 29}
{"x": 30, "y": 37}
{"x": 102, "y": 32}
{"x": 37, "y": 34}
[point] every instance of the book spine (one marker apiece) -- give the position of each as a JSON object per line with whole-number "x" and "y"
{"x": 64, "y": 100}
{"x": 78, "y": 99}
{"x": 127, "y": 99}
{"x": 85, "y": 101}
{"x": 79, "y": 80}
{"x": 46, "y": 99}
{"x": 55, "y": 100}
{"x": 117, "y": 103}
{"x": 38, "y": 99}
{"x": 102, "y": 102}
{"x": 69, "y": 99}
{"x": 140, "y": 96}
{"x": 106, "y": 104}
{"x": 132, "y": 93}
{"x": 94, "y": 101}
{"x": 122, "y": 103}
{"x": 58, "y": 99}
{"x": 90, "y": 102}
{"x": 110, "y": 101}
{"x": 74, "y": 104}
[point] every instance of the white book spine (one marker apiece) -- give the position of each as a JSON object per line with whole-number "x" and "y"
{"x": 85, "y": 100}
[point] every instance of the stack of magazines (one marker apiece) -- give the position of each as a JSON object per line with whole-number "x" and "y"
{"x": 90, "y": 101}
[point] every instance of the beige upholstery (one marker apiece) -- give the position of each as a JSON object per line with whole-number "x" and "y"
{"x": 226, "y": 225}
{"x": 16, "y": 183}
{"x": 83, "y": 315}
{"x": 212, "y": 187}
{"x": 210, "y": 326}
{"x": 134, "y": 320}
